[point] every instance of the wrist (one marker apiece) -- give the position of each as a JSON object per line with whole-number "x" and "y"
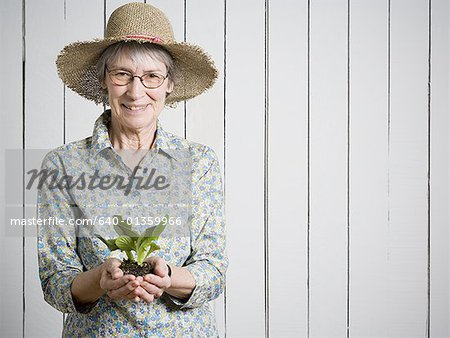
{"x": 99, "y": 274}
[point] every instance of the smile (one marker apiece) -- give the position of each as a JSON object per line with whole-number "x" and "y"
{"x": 136, "y": 108}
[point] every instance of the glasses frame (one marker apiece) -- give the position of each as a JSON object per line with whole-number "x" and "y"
{"x": 133, "y": 76}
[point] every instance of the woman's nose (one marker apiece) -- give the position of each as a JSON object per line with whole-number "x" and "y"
{"x": 135, "y": 88}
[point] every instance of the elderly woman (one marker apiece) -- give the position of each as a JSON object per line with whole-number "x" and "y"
{"x": 137, "y": 69}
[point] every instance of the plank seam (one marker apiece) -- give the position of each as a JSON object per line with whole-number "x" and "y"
{"x": 388, "y": 119}
{"x": 348, "y": 172}
{"x": 308, "y": 238}
{"x": 23, "y": 159}
{"x": 429, "y": 171}
{"x": 266, "y": 170}
{"x": 184, "y": 39}
{"x": 225, "y": 136}
{"x": 104, "y": 31}
{"x": 64, "y": 120}
{"x": 104, "y": 25}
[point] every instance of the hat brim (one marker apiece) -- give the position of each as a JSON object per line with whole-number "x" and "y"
{"x": 76, "y": 66}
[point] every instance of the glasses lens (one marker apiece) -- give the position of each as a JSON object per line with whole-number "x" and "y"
{"x": 152, "y": 80}
{"x": 120, "y": 78}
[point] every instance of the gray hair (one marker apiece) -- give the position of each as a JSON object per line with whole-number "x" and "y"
{"x": 138, "y": 52}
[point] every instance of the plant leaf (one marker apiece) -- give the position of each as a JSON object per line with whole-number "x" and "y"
{"x": 125, "y": 243}
{"x": 146, "y": 248}
{"x": 130, "y": 240}
{"x": 159, "y": 228}
{"x": 130, "y": 256}
{"x": 123, "y": 228}
{"x": 154, "y": 247}
{"x": 110, "y": 243}
{"x": 142, "y": 253}
{"x": 142, "y": 249}
{"x": 148, "y": 232}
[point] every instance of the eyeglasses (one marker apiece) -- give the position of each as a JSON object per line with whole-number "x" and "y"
{"x": 148, "y": 80}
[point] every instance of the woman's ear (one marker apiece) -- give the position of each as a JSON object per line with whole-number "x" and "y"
{"x": 170, "y": 88}
{"x": 103, "y": 84}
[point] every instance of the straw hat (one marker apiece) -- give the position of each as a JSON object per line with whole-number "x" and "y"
{"x": 143, "y": 23}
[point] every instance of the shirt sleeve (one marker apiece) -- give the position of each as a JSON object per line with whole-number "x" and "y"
{"x": 58, "y": 260}
{"x": 208, "y": 261}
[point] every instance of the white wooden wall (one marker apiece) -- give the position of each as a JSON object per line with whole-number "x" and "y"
{"x": 330, "y": 118}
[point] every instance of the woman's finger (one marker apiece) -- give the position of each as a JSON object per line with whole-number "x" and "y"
{"x": 152, "y": 289}
{"x": 124, "y": 290}
{"x": 108, "y": 283}
{"x": 144, "y": 295}
{"x": 160, "y": 282}
{"x": 159, "y": 265}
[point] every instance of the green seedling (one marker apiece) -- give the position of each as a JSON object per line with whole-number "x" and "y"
{"x": 129, "y": 240}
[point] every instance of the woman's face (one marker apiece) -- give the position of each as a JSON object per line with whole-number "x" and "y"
{"x": 134, "y": 106}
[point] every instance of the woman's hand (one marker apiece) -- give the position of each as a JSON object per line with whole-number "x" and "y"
{"x": 116, "y": 284}
{"x": 158, "y": 282}
{"x": 180, "y": 284}
{"x": 88, "y": 286}
{"x": 120, "y": 286}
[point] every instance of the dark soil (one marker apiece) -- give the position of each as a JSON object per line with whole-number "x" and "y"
{"x": 132, "y": 268}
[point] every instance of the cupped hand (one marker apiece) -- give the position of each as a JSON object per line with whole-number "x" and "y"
{"x": 158, "y": 282}
{"x": 116, "y": 284}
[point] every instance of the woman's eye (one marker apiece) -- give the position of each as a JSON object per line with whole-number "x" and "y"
{"x": 152, "y": 75}
{"x": 122, "y": 74}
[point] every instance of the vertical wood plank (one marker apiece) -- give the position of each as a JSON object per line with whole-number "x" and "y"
{"x": 408, "y": 226}
{"x": 440, "y": 295}
{"x": 244, "y": 168}
{"x": 328, "y": 169}
{"x": 44, "y": 130}
{"x": 205, "y": 27}
{"x": 11, "y": 252}
{"x": 288, "y": 122}
{"x": 83, "y": 21}
{"x": 369, "y": 169}
{"x": 173, "y": 119}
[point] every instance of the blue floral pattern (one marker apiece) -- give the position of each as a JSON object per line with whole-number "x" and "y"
{"x": 64, "y": 251}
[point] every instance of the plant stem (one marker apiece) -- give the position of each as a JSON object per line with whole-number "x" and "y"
{"x": 130, "y": 256}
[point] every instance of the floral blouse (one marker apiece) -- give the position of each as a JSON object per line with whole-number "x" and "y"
{"x": 76, "y": 202}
